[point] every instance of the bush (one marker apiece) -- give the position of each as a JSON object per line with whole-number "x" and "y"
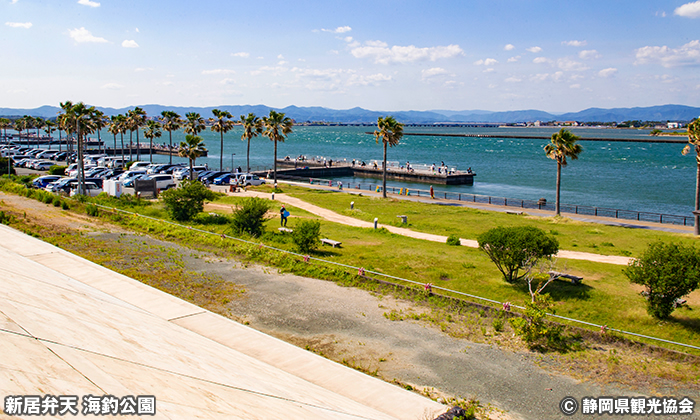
{"x": 534, "y": 330}
{"x": 250, "y": 216}
{"x": 56, "y": 202}
{"x": 306, "y": 235}
{"x": 185, "y": 202}
{"x": 57, "y": 170}
{"x": 64, "y": 205}
{"x": 453, "y": 240}
{"x": 669, "y": 272}
{"x": 4, "y": 167}
{"x": 514, "y": 248}
{"x": 92, "y": 210}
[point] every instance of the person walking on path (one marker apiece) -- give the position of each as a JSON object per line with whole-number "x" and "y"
{"x": 283, "y": 217}
{"x": 432, "y": 192}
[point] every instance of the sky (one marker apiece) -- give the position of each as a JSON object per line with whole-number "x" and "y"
{"x": 382, "y": 55}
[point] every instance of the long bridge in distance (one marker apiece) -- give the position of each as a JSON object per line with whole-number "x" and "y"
{"x": 680, "y": 139}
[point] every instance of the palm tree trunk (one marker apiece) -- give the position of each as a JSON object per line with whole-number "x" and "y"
{"x": 384, "y": 172}
{"x": 115, "y": 144}
{"x": 275, "y": 171}
{"x": 697, "y": 201}
{"x": 556, "y": 203}
{"x": 59, "y": 140}
{"x": 151, "y": 150}
{"x": 122, "y": 134}
{"x": 131, "y": 142}
{"x": 138, "y": 145}
{"x": 248, "y": 157}
{"x": 170, "y": 152}
{"x": 221, "y": 158}
{"x": 191, "y": 170}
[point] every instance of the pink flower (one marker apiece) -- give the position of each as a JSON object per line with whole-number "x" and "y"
{"x": 361, "y": 272}
{"x": 306, "y": 258}
{"x": 603, "y": 329}
{"x": 223, "y": 236}
{"x": 506, "y": 306}
{"x": 428, "y": 287}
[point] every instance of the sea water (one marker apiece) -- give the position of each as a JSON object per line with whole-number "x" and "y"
{"x": 649, "y": 177}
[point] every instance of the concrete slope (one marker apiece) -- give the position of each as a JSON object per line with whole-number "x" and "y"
{"x": 71, "y": 327}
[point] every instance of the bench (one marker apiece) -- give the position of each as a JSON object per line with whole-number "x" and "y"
{"x": 330, "y": 242}
{"x": 285, "y": 230}
{"x": 570, "y": 277}
{"x": 518, "y": 213}
{"x": 404, "y": 219}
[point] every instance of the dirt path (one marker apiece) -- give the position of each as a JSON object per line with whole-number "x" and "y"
{"x": 351, "y": 326}
{"x": 350, "y": 221}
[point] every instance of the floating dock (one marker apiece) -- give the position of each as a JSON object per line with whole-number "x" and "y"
{"x": 312, "y": 169}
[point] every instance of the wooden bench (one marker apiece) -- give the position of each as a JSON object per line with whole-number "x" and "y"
{"x": 573, "y": 279}
{"x": 285, "y": 230}
{"x": 404, "y": 219}
{"x": 330, "y": 242}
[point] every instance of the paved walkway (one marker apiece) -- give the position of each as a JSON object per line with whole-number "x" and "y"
{"x": 350, "y": 221}
{"x": 71, "y": 327}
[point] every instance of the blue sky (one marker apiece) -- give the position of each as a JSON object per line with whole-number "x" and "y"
{"x": 498, "y": 55}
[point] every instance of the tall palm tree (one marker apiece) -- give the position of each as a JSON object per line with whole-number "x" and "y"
{"x": 49, "y": 127}
{"x": 114, "y": 129}
{"x": 123, "y": 125}
{"x": 221, "y": 124}
{"x": 100, "y": 122}
{"x": 563, "y": 145}
{"x": 252, "y": 126}
{"x": 4, "y": 124}
{"x": 694, "y": 142}
{"x": 137, "y": 118}
{"x": 171, "y": 121}
{"x": 38, "y": 123}
{"x": 65, "y": 123}
{"x": 277, "y": 128}
{"x": 82, "y": 118}
{"x": 390, "y": 132}
{"x": 152, "y": 131}
{"x": 20, "y": 125}
{"x": 191, "y": 148}
{"x": 194, "y": 124}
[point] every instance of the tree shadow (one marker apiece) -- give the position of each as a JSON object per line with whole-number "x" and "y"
{"x": 560, "y": 290}
{"x": 690, "y": 324}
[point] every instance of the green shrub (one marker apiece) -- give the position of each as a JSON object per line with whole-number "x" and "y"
{"x": 250, "y": 216}
{"x": 306, "y": 235}
{"x": 453, "y": 240}
{"x": 57, "y": 170}
{"x": 65, "y": 205}
{"x": 534, "y": 330}
{"x": 211, "y": 219}
{"x": 514, "y": 248}
{"x": 185, "y": 202}
{"x": 92, "y": 210}
{"x": 4, "y": 167}
{"x": 669, "y": 272}
{"x": 5, "y": 219}
{"x": 56, "y": 202}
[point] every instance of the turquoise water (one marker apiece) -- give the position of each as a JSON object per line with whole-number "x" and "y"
{"x": 651, "y": 177}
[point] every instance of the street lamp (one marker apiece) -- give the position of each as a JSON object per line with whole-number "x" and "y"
{"x": 232, "y": 155}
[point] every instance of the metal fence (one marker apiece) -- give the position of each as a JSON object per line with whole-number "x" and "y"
{"x": 511, "y": 202}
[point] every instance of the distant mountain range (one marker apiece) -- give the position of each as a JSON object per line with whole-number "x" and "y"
{"x": 364, "y": 116}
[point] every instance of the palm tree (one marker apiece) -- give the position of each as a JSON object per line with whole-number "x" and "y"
{"x": 4, "y": 124}
{"x": 277, "y": 127}
{"x": 49, "y": 127}
{"x": 123, "y": 125}
{"x": 114, "y": 128}
{"x": 100, "y": 122}
{"x": 64, "y": 122}
{"x": 152, "y": 132}
{"x": 252, "y": 126}
{"x": 194, "y": 124}
{"x": 137, "y": 118}
{"x": 390, "y": 131}
{"x": 191, "y": 148}
{"x": 20, "y": 125}
{"x": 38, "y": 123}
{"x": 170, "y": 120}
{"x": 221, "y": 124}
{"x": 563, "y": 145}
{"x": 82, "y": 118}
{"x": 694, "y": 141}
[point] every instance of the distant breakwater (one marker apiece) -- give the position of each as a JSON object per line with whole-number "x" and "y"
{"x": 500, "y": 136}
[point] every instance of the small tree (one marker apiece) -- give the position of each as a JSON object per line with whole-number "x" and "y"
{"x": 306, "y": 235}
{"x": 185, "y": 202}
{"x": 250, "y": 216}
{"x": 514, "y": 248}
{"x": 669, "y": 272}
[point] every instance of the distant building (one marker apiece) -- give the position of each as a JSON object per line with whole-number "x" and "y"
{"x": 672, "y": 125}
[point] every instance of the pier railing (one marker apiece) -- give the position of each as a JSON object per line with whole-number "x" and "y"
{"x": 511, "y": 202}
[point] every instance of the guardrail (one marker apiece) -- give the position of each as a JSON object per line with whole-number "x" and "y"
{"x": 513, "y": 202}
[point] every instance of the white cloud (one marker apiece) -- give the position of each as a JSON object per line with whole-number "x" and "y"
{"x": 89, "y": 3}
{"x": 383, "y": 54}
{"x": 686, "y": 55}
{"x": 661, "y": 14}
{"x": 13, "y": 2}
{"x": 435, "y": 71}
{"x": 140, "y": 69}
{"x": 280, "y": 57}
{"x": 534, "y": 49}
{"x": 373, "y": 79}
{"x": 488, "y": 62}
{"x": 218, "y": 71}
{"x": 541, "y": 60}
{"x": 690, "y": 10}
{"x": 338, "y": 30}
{"x": 575, "y": 86}
{"x": 588, "y": 54}
{"x": 570, "y": 65}
{"x": 513, "y": 79}
{"x": 137, "y": 30}
{"x": 25, "y": 25}
{"x": 112, "y": 86}
{"x": 83, "y": 35}
{"x": 514, "y": 59}
{"x": 609, "y": 72}
{"x": 241, "y": 54}
{"x": 541, "y": 77}
{"x": 489, "y": 70}
{"x": 509, "y": 47}
{"x": 227, "y": 81}
{"x": 129, "y": 43}
{"x": 575, "y": 43}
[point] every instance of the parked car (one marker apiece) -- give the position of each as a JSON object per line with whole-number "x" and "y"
{"x": 163, "y": 181}
{"x": 249, "y": 179}
{"x": 210, "y": 177}
{"x": 45, "y": 180}
{"x": 43, "y": 165}
{"x": 185, "y": 172}
{"x": 91, "y": 189}
{"x": 226, "y": 179}
{"x": 139, "y": 165}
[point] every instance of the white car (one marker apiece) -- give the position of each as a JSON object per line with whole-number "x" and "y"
{"x": 91, "y": 189}
{"x": 43, "y": 165}
{"x": 163, "y": 181}
{"x": 185, "y": 171}
{"x": 249, "y": 179}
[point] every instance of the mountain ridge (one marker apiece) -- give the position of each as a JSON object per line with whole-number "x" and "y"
{"x": 357, "y": 115}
